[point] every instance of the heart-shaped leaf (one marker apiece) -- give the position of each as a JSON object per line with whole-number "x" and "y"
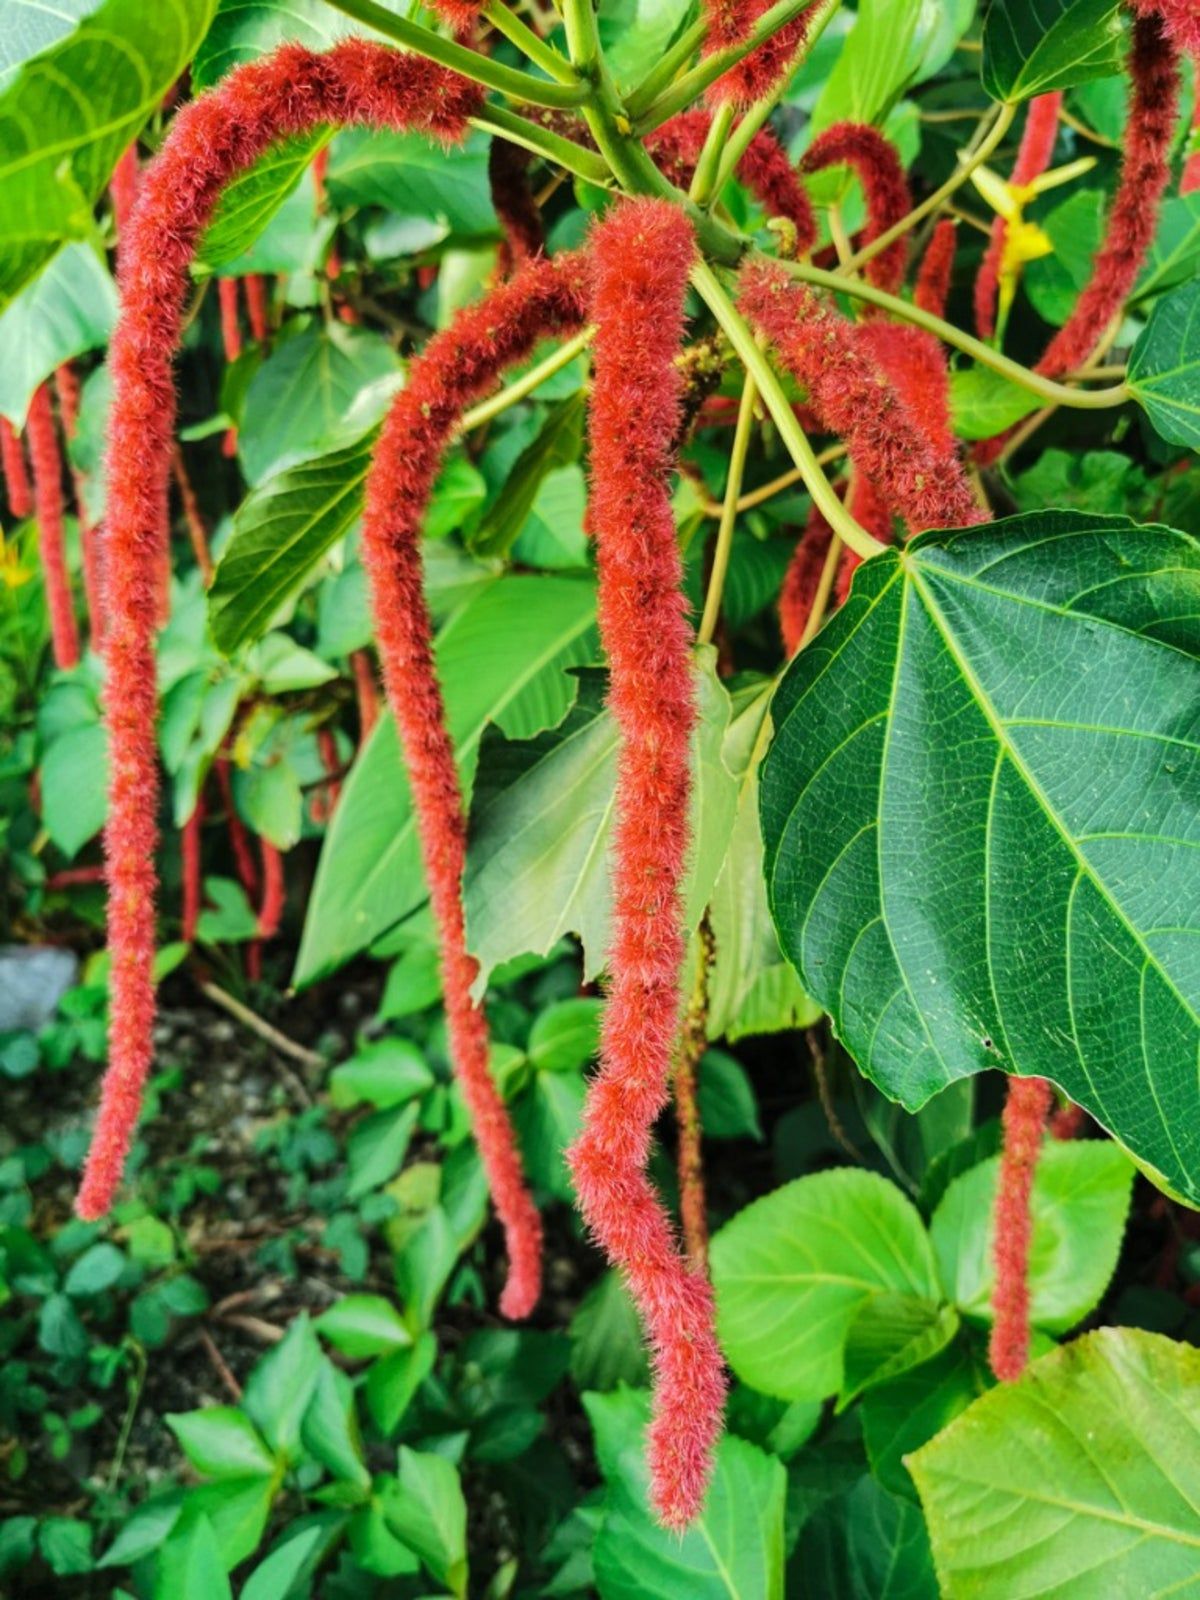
{"x": 1033, "y": 46}
{"x": 981, "y": 815}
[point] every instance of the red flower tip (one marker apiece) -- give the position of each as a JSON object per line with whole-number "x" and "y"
{"x": 932, "y": 288}
{"x": 641, "y": 255}
{"x": 1025, "y": 1112}
{"x": 270, "y": 912}
{"x": 211, "y": 141}
{"x": 729, "y": 21}
{"x": 1180, "y": 20}
{"x": 877, "y": 165}
{"x": 16, "y": 474}
{"x": 256, "y": 306}
{"x": 123, "y": 188}
{"x": 514, "y": 205}
{"x": 47, "y": 464}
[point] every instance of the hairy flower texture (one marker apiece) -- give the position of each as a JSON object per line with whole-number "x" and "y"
{"x": 728, "y": 22}
{"x": 456, "y": 367}
{"x": 270, "y": 911}
{"x": 641, "y": 256}
{"x": 66, "y": 387}
{"x": 123, "y": 188}
{"x": 514, "y": 205}
{"x": 16, "y": 473}
{"x": 256, "y": 306}
{"x": 366, "y": 692}
{"x": 239, "y": 835}
{"x": 1133, "y": 215}
{"x": 1033, "y": 157}
{"x": 855, "y": 400}
{"x": 211, "y": 141}
{"x": 191, "y": 870}
{"x": 48, "y": 503}
{"x": 1189, "y": 181}
{"x": 876, "y": 164}
{"x": 802, "y": 580}
{"x": 765, "y": 169}
{"x": 1180, "y": 19}
{"x": 231, "y": 340}
{"x": 1025, "y": 1112}
{"x": 932, "y": 287}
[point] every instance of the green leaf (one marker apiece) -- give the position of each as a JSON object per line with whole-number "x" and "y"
{"x": 281, "y": 1385}
{"x": 983, "y": 403}
{"x": 60, "y": 1332}
{"x": 1033, "y": 46}
{"x": 299, "y": 403}
{"x": 384, "y": 1074}
{"x": 1080, "y": 1200}
{"x": 70, "y": 113}
{"x": 566, "y": 1035}
{"x": 900, "y": 1416}
{"x": 330, "y": 1430}
{"x": 409, "y": 177}
{"x": 69, "y": 308}
{"x": 734, "y": 1548}
{"x": 256, "y": 197}
{"x": 890, "y": 1335}
{"x": 364, "y": 1325}
{"x": 243, "y": 30}
{"x": 538, "y": 862}
{"x": 884, "y": 53}
{"x": 634, "y": 33}
{"x": 377, "y": 1147}
{"x": 222, "y": 1442}
{"x": 501, "y": 659}
{"x": 1078, "y": 1480}
{"x": 557, "y": 445}
{"x": 1164, "y": 367}
{"x": 794, "y": 1270}
{"x": 190, "y": 1566}
{"x": 427, "y": 1512}
{"x": 75, "y": 787}
{"x": 277, "y": 1576}
{"x": 864, "y": 1542}
{"x": 607, "y": 1348}
{"x": 392, "y": 1381}
{"x": 548, "y": 1116}
{"x": 144, "y": 1532}
{"x": 1029, "y": 691}
{"x": 31, "y": 26}
{"x": 1075, "y": 229}
{"x": 66, "y": 1545}
{"x": 728, "y": 1105}
{"x": 96, "y": 1270}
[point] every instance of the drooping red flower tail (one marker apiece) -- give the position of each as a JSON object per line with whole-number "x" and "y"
{"x": 1033, "y": 157}
{"x": 239, "y": 835}
{"x": 729, "y": 22}
{"x": 326, "y": 798}
{"x": 366, "y": 692}
{"x": 765, "y": 169}
{"x": 212, "y": 140}
{"x": 48, "y": 502}
{"x": 231, "y": 339}
{"x": 191, "y": 870}
{"x": 802, "y": 581}
{"x": 457, "y": 366}
{"x": 1133, "y": 215}
{"x": 876, "y": 164}
{"x": 66, "y": 387}
{"x": 641, "y": 256}
{"x": 852, "y": 395}
{"x": 270, "y": 912}
{"x": 1180, "y": 19}
{"x": 1025, "y": 1112}
{"x": 256, "y": 306}
{"x": 514, "y": 205}
{"x": 932, "y": 287}
{"x": 123, "y": 188}
{"x": 16, "y": 473}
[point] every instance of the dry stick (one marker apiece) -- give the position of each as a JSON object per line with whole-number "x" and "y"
{"x": 265, "y": 1031}
{"x": 693, "y": 1041}
{"x": 232, "y": 1387}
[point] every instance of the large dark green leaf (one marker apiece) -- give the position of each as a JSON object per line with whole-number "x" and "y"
{"x": 981, "y": 822}
{"x": 246, "y": 29}
{"x": 863, "y": 1542}
{"x": 280, "y": 531}
{"x": 410, "y": 177}
{"x": 68, "y": 115}
{"x": 1082, "y": 1479}
{"x": 500, "y": 659}
{"x": 1033, "y": 46}
{"x": 1164, "y": 368}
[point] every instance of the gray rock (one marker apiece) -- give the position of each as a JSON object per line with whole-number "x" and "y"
{"x": 33, "y": 979}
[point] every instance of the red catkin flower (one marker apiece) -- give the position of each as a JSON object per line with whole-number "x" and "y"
{"x": 16, "y": 473}
{"x": 915, "y": 365}
{"x": 123, "y": 188}
{"x": 854, "y": 399}
{"x": 1068, "y": 1121}
{"x": 1133, "y": 215}
{"x": 456, "y": 366}
{"x": 802, "y": 580}
{"x": 514, "y": 205}
{"x": 191, "y": 870}
{"x": 239, "y": 835}
{"x": 729, "y": 22}
{"x": 1180, "y": 20}
{"x": 48, "y": 503}
{"x": 367, "y": 694}
{"x": 932, "y": 288}
{"x": 231, "y": 340}
{"x": 256, "y": 306}
{"x": 765, "y": 169}
{"x": 66, "y": 387}
{"x": 871, "y": 511}
{"x": 197, "y": 532}
{"x": 327, "y": 797}
{"x": 1025, "y": 1112}
{"x": 211, "y": 141}
{"x": 876, "y": 164}
{"x": 641, "y": 255}
{"x": 1033, "y": 157}
{"x": 270, "y": 912}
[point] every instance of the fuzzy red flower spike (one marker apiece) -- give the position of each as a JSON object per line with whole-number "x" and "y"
{"x": 1025, "y": 1112}
{"x": 876, "y": 163}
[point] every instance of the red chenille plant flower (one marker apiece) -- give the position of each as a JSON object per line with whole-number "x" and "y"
{"x": 46, "y": 458}
{"x": 641, "y": 255}
{"x": 1025, "y": 1113}
{"x": 731, "y": 21}
{"x": 874, "y": 159}
{"x": 16, "y": 473}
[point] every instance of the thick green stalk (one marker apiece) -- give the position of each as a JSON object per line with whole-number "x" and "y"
{"x": 733, "y": 488}
{"x": 521, "y": 86}
{"x": 576, "y": 158}
{"x": 665, "y": 68}
{"x": 1059, "y": 393}
{"x": 527, "y": 42}
{"x": 704, "y": 180}
{"x": 737, "y": 330}
{"x": 527, "y": 382}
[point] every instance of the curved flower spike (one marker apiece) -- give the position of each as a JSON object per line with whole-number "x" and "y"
{"x": 756, "y": 75}
{"x": 875, "y": 161}
{"x": 1025, "y": 1112}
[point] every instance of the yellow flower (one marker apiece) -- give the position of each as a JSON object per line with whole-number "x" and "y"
{"x": 1023, "y": 241}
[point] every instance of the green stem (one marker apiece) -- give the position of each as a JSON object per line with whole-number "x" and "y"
{"x": 527, "y": 42}
{"x": 736, "y": 329}
{"x": 660, "y": 75}
{"x": 693, "y": 84}
{"x": 729, "y": 510}
{"x": 954, "y": 182}
{"x": 522, "y": 86}
{"x": 1058, "y": 393}
{"x": 527, "y": 382}
{"x": 704, "y": 179}
{"x": 544, "y": 142}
